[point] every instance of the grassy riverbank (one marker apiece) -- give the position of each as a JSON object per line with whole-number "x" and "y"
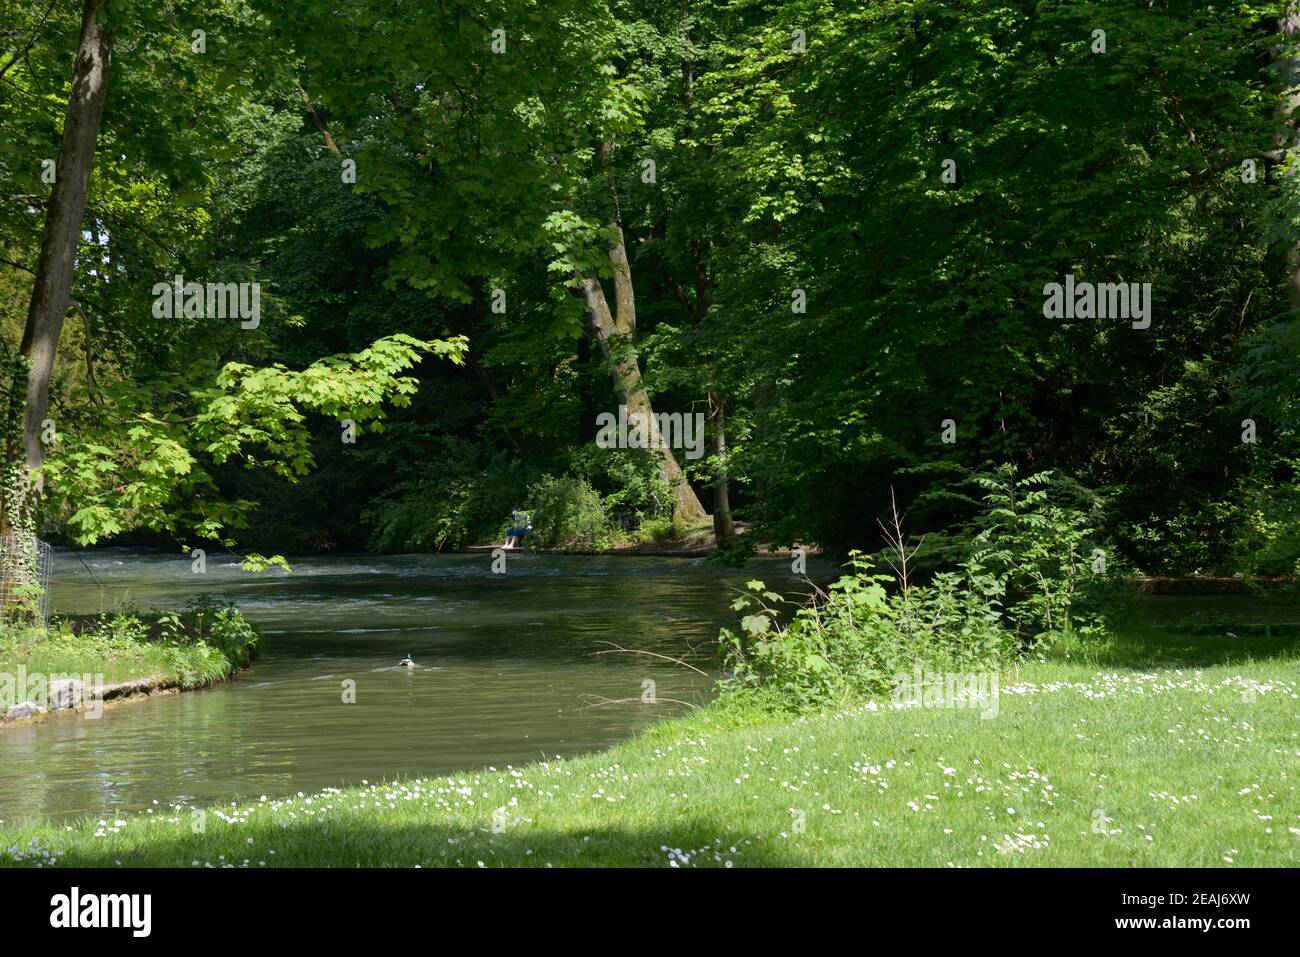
{"x": 199, "y": 646}
{"x": 1091, "y": 760}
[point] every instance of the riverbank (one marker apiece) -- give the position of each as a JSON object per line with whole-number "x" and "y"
{"x": 1171, "y": 750}
{"x": 112, "y": 657}
{"x": 679, "y": 549}
{"x": 698, "y": 542}
{"x": 664, "y": 540}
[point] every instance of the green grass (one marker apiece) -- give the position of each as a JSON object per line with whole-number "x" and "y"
{"x": 1194, "y": 762}
{"x": 126, "y": 647}
{"x": 65, "y": 653}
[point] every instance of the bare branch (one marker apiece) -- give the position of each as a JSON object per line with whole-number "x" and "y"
{"x": 650, "y": 654}
{"x": 655, "y": 700}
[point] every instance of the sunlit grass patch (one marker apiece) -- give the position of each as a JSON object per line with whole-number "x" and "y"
{"x": 204, "y": 644}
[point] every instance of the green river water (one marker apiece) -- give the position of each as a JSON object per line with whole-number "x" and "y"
{"x": 507, "y": 673}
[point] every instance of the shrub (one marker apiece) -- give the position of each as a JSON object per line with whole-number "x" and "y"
{"x": 631, "y": 480}
{"x": 1267, "y": 526}
{"x": 568, "y": 513}
{"x": 1038, "y": 543}
{"x": 1022, "y": 577}
{"x": 464, "y": 502}
{"x": 657, "y": 531}
{"x": 209, "y": 639}
{"x": 851, "y": 641}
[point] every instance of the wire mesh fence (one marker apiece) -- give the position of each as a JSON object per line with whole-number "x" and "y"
{"x": 25, "y": 563}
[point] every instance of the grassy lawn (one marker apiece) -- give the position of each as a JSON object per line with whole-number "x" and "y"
{"x": 189, "y": 649}
{"x": 70, "y": 654}
{"x": 1089, "y": 761}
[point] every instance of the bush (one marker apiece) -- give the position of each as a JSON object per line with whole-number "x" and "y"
{"x": 631, "y": 479}
{"x": 465, "y": 502}
{"x": 658, "y": 531}
{"x": 851, "y": 641}
{"x": 1267, "y": 527}
{"x": 568, "y": 513}
{"x": 217, "y": 626}
{"x": 208, "y": 640}
{"x": 1032, "y": 536}
{"x": 1025, "y": 574}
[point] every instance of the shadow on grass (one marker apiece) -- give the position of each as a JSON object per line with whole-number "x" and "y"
{"x": 1141, "y": 647}
{"x": 356, "y": 844}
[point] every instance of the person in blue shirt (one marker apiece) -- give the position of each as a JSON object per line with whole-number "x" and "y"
{"x": 521, "y": 523}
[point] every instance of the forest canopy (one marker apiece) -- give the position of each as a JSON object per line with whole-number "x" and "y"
{"x": 872, "y": 248}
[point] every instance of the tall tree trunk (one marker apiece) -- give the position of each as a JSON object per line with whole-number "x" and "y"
{"x": 723, "y": 528}
{"x": 53, "y": 286}
{"x": 615, "y": 330}
{"x": 1288, "y": 137}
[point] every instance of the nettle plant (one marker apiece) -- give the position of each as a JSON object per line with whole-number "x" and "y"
{"x": 853, "y": 639}
{"x": 1022, "y": 576}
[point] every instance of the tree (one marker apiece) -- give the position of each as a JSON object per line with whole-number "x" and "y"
{"x": 528, "y": 118}
{"x": 50, "y": 292}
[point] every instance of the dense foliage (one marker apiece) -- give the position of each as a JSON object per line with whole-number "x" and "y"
{"x": 827, "y": 228}
{"x": 1021, "y": 583}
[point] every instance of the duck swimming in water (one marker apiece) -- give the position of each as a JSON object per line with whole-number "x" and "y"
{"x": 407, "y": 662}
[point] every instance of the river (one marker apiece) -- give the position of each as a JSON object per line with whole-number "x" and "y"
{"x": 507, "y": 673}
